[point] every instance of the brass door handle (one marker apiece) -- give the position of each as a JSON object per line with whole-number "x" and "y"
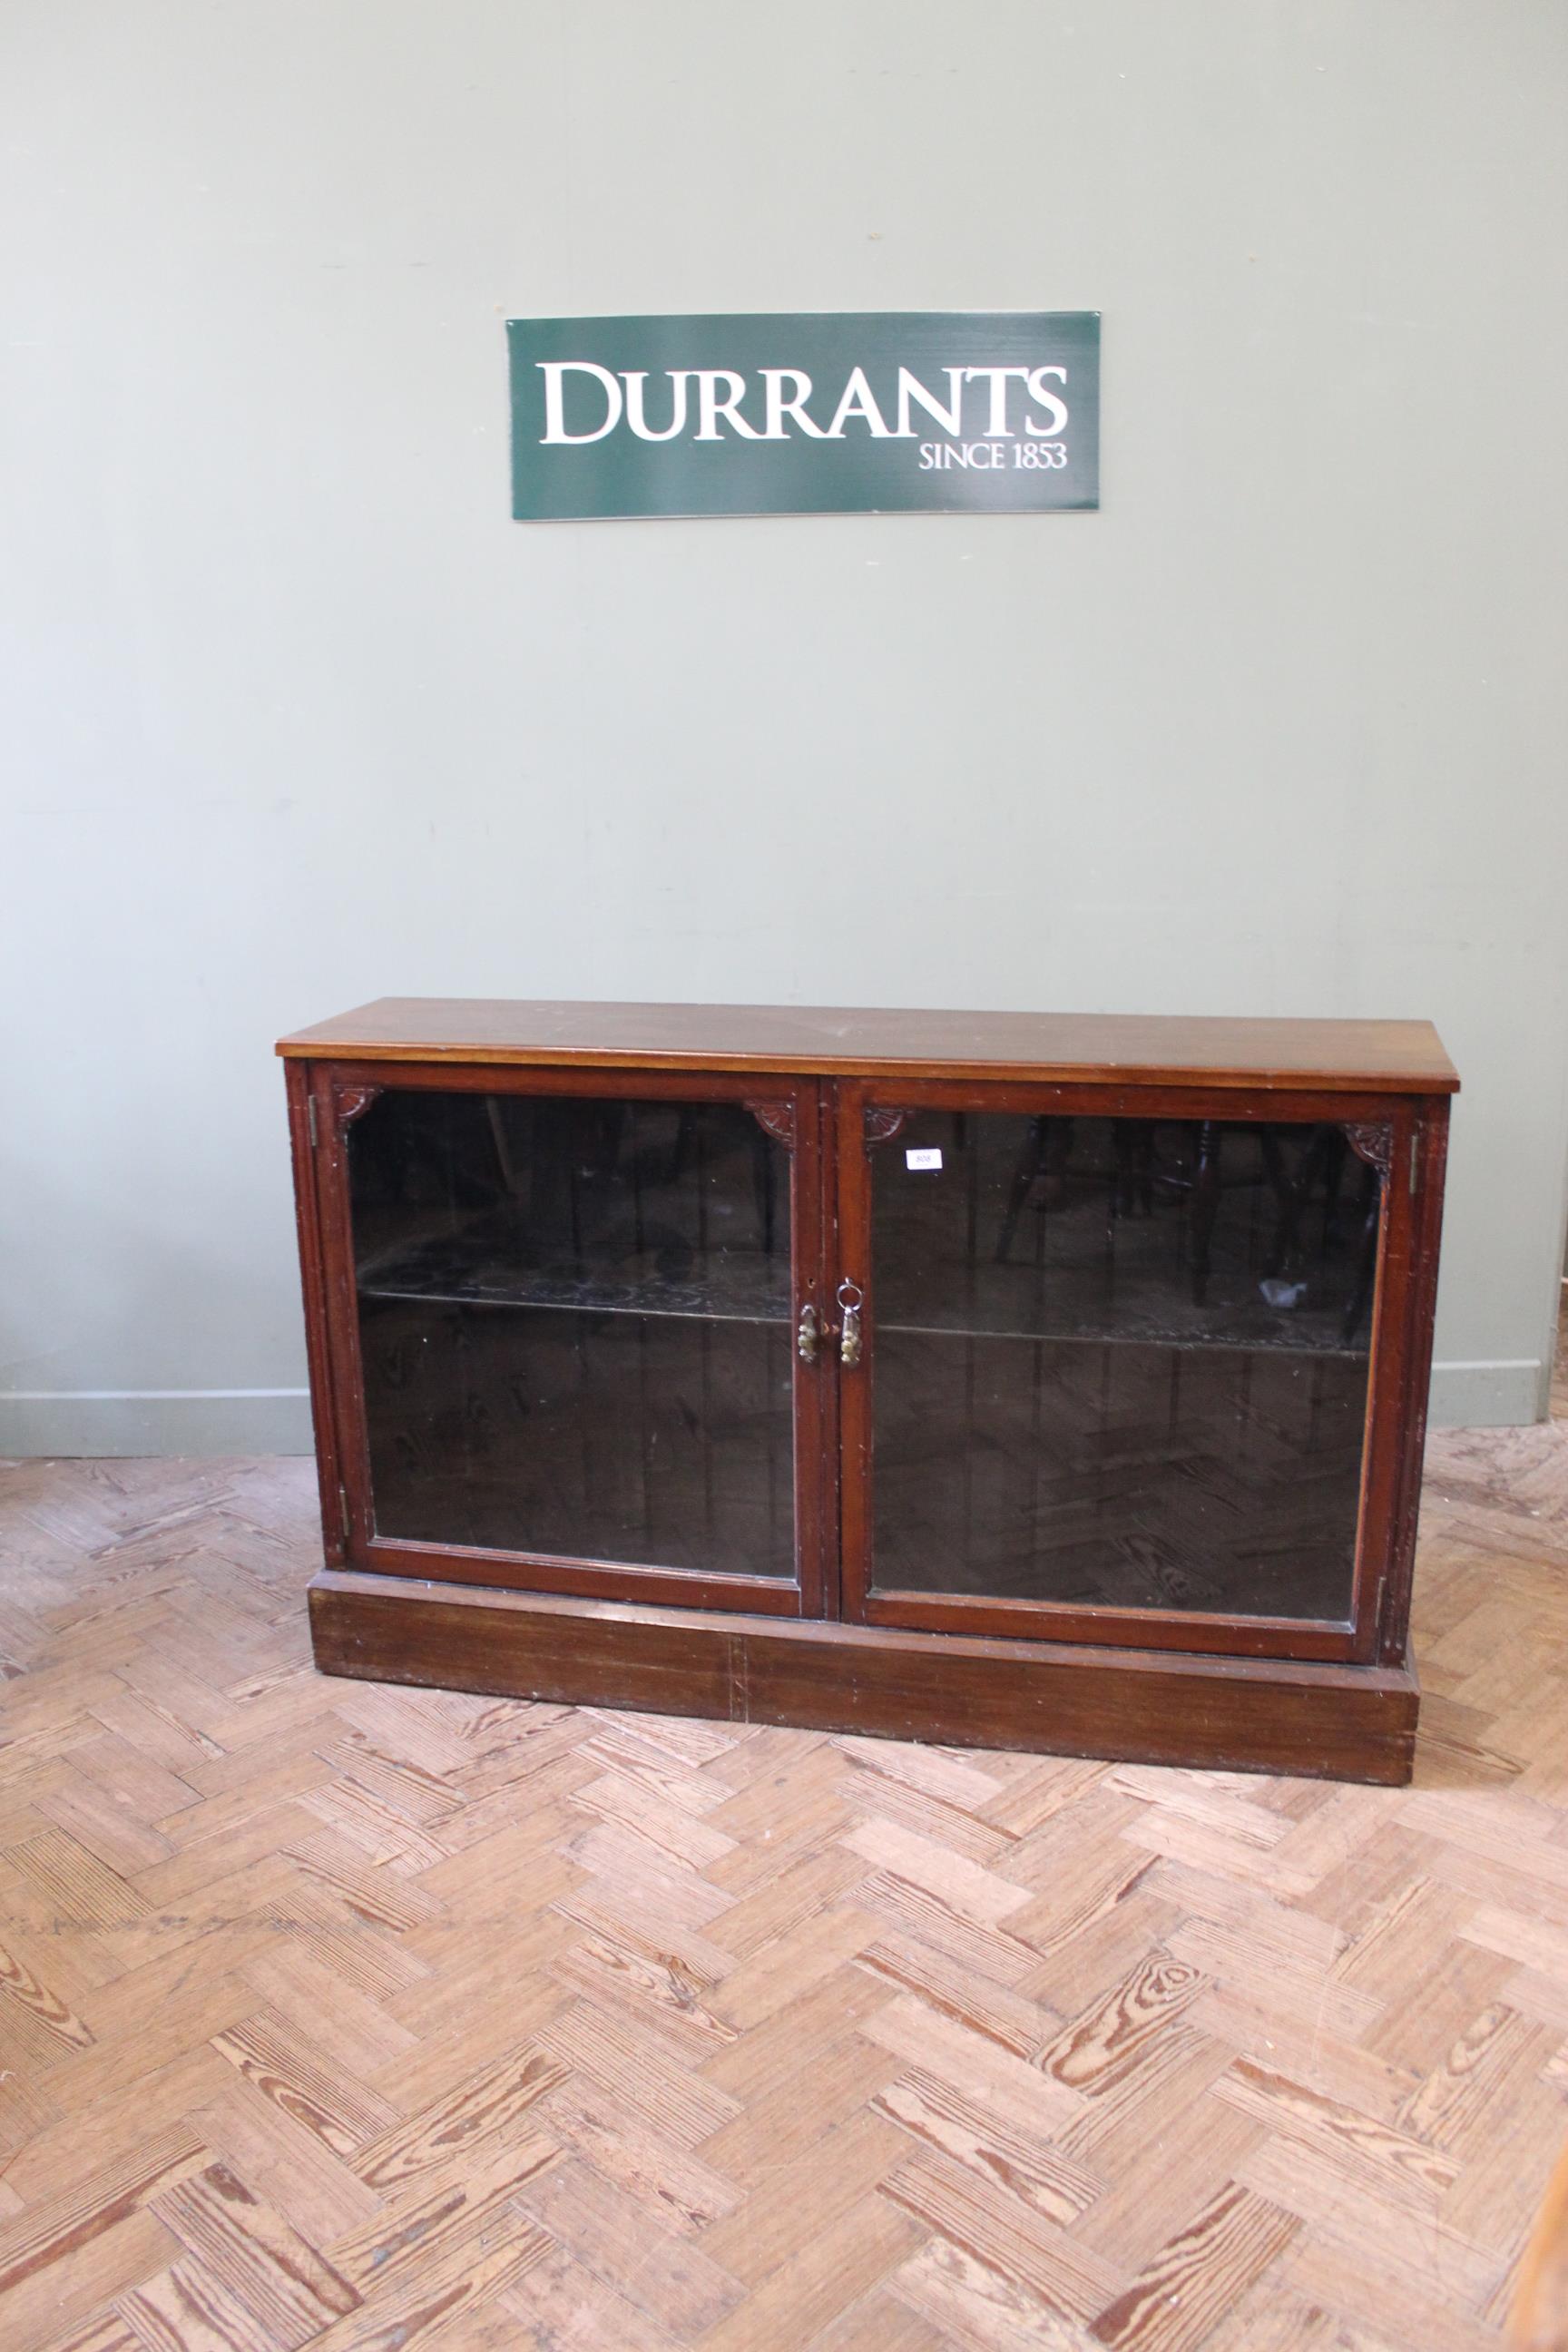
{"x": 806, "y": 1335}
{"x": 851, "y": 1297}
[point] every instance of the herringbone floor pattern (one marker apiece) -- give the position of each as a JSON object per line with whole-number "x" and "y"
{"x": 341, "y": 2016}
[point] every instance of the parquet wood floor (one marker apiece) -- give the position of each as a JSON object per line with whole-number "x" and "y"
{"x": 359, "y": 2019}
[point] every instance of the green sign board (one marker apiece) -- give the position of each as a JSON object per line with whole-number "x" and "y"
{"x": 856, "y": 412}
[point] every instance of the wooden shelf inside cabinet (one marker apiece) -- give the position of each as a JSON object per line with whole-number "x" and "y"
{"x": 999, "y": 1379}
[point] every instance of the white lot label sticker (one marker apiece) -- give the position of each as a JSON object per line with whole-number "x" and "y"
{"x": 923, "y": 1157}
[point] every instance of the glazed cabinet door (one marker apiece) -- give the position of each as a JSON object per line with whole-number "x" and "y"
{"x": 1130, "y": 1366}
{"x": 569, "y": 1318}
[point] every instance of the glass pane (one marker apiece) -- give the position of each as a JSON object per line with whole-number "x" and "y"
{"x": 574, "y": 1321}
{"x": 1121, "y": 1362}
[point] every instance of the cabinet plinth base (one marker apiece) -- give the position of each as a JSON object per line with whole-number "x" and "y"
{"x": 1253, "y": 1714}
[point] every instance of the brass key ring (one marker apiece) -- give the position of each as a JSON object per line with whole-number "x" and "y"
{"x": 849, "y": 1335}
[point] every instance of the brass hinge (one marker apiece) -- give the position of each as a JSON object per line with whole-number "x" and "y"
{"x": 310, "y": 1119}
{"x": 1415, "y": 1159}
{"x": 344, "y": 1511}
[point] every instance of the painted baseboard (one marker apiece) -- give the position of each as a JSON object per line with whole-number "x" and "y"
{"x": 191, "y": 1421}
{"x": 1502, "y": 1392}
{"x": 1490, "y": 1394}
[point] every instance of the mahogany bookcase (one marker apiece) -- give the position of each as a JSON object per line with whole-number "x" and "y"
{"x": 1054, "y": 1382}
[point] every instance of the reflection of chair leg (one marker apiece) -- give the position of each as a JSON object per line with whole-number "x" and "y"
{"x": 684, "y": 1146}
{"x": 1133, "y": 1183}
{"x": 1291, "y": 1194}
{"x": 764, "y": 1187}
{"x": 1206, "y": 1205}
{"x": 1274, "y": 1172}
{"x": 1366, "y": 1271}
{"x": 1056, "y": 1152}
{"x": 1031, "y": 1163}
{"x": 503, "y": 1151}
{"x": 1043, "y": 1161}
{"x": 1337, "y": 1152}
{"x": 1322, "y": 1159}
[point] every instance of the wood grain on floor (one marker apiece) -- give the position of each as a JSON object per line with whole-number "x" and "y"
{"x": 342, "y": 2016}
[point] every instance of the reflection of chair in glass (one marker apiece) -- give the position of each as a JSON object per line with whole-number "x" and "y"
{"x": 688, "y": 1136}
{"x": 644, "y": 1178}
{"x": 1209, "y": 1181}
{"x": 1323, "y": 1161}
{"x": 1138, "y": 1174}
{"x": 1042, "y": 1160}
{"x": 1367, "y": 1267}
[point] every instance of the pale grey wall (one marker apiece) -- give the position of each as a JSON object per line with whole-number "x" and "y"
{"x": 297, "y": 716}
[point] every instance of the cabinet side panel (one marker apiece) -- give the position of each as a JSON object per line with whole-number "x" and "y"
{"x": 312, "y": 1279}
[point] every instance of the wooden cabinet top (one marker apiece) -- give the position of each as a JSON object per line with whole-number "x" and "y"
{"x": 1373, "y": 1056}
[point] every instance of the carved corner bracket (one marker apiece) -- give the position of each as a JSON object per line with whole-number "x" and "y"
{"x": 775, "y": 1118}
{"x": 349, "y": 1103}
{"x": 1372, "y": 1139}
{"x": 882, "y": 1125}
